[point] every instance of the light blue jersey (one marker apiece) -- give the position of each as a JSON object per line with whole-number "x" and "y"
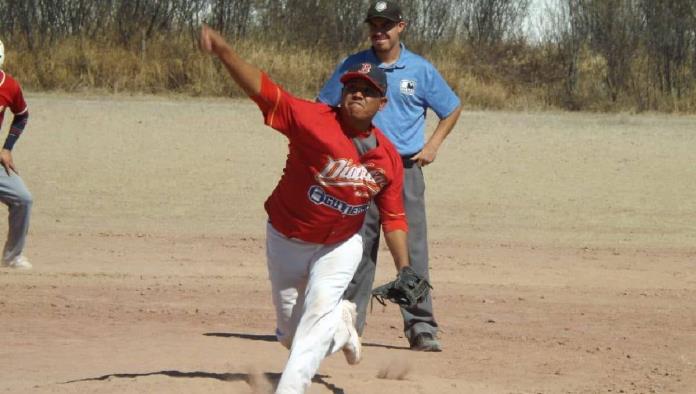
{"x": 414, "y": 85}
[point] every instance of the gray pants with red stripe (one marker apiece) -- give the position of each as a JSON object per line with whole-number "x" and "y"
{"x": 419, "y": 318}
{"x": 16, "y": 196}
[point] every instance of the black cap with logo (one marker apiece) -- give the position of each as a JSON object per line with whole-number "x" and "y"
{"x": 369, "y": 72}
{"x": 384, "y": 9}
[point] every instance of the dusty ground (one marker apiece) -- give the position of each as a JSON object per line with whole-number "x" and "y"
{"x": 563, "y": 256}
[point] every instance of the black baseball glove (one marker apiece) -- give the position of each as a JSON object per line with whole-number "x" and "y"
{"x": 407, "y": 289}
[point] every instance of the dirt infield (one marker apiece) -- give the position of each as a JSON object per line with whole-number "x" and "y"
{"x": 563, "y": 256}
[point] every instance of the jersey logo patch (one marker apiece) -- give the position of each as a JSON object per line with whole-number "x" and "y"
{"x": 408, "y": 87}
{"x": 343, "y": 172}
{"x": 319, "y": 196}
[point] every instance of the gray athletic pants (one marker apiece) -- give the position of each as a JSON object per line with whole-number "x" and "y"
{"x": 420, "y": 318}
{"x": 16, "y": 196}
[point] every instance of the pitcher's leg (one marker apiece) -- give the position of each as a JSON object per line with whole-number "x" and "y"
{"x": 288, "y": 266}
{"x": 419, "y": 318}
{"x": 15, "y": 194}
{"x": 360, "y": 288}
{"x": 321, "y": 318}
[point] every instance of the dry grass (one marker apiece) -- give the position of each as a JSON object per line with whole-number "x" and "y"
{"x": 164, "y": 66}
{"x": 512, "y": 77}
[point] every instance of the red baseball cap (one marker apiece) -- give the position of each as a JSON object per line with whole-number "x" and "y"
{"x": 369, "y": 72}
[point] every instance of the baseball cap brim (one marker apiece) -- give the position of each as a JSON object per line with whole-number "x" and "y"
{"x": 387, "y": 17}
{"x": 358, "y": 75}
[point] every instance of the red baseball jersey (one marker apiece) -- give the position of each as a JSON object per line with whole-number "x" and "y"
{"x": 10, "y": 96}
{"x": 326, "y": 186}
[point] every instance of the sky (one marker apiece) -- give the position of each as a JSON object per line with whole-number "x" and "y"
{"x": 534, "y": 23}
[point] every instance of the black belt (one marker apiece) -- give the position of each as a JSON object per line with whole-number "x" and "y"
{"x": 407, "y": 162}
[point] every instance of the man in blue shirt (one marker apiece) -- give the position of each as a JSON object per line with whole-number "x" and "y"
{"x": 414, "y": 86}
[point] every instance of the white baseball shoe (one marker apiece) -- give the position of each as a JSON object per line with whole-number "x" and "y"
{"x": 19, "y": 262}
{"x": 353, "y": 348}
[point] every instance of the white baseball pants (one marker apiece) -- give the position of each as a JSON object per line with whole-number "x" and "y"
{"x": 308, "y": 281}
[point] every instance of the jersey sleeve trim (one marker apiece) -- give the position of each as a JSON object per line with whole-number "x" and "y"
{"x": 394, "y": 222}
{"x": 275, "y": 107}
{"x": 390, "y": 200}
{"x": 268, "y": 98}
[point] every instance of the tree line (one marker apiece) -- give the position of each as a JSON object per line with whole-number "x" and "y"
{"x": 586, "y": 54}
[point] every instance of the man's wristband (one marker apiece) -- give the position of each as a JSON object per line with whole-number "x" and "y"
{"x": 10, "y": 141}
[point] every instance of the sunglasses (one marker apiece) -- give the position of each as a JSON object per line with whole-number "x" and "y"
{"x": 364, "y": 89}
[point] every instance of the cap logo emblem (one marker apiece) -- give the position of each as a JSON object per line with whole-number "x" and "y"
{"x": 380, "y": 6}
{"x": 365, "y": 68}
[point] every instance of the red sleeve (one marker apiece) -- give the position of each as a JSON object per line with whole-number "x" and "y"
{"x": 276, "y": 106}
{"x": 391, "y": 200}
{"x": 18, "y": 106}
